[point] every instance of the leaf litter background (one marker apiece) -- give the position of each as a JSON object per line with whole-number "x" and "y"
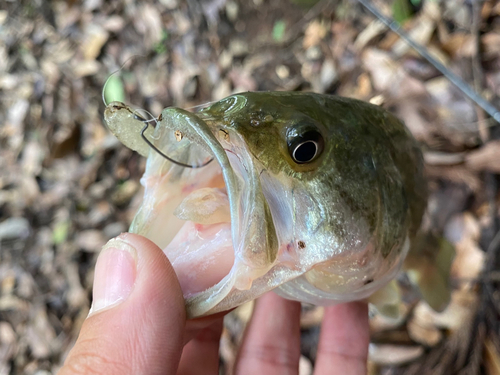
{"x": 67, "y": 185}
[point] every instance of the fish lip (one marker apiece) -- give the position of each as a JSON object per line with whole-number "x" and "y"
{"x": 117, "y": 105}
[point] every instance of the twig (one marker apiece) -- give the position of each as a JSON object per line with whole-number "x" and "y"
{"x": 477, "y": 71}
{"x": 452, "y": 77}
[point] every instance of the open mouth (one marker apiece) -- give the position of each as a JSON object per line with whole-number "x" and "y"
{"x": 186, "y": 211}
{"x": 213, "y": 222}
{"x": 204, "y": 206}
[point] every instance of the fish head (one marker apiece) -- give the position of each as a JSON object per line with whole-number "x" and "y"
{"x": 304, "y": 196}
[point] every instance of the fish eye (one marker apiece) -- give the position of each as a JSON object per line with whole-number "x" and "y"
{"x": 306, "y": 147}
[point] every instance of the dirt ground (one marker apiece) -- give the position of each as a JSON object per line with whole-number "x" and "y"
{"x": 67, "y": 185}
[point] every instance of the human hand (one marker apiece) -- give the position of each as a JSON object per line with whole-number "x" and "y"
{"x": 137, "y": 325}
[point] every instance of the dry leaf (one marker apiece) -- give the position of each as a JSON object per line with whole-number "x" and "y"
{"x": 469, "y": 260}
{"x": 393, "y": 354}
{"x": 312, "y": 317}
{"x": 95, "y": 38}
{"x": 458, "y": 174}
{"x": 460, "y": 44}
{"x": 374, "y": 29}
{"x": 40, "y": 333}
{"x": 485, "y": 158}
{"x": 90, "y": 240}
{"x": 459, "y": 312}
{"x": 314, "y": 33}
{"x": 86, "y": 68}
{"x": 424, "y": 334}
{"x": 389, "y": 76}
{"x": 420, "y": 33}
{"x": 244, "y": 312}
{"x": 148, "y": 22}
{"x": 491, "y": 358}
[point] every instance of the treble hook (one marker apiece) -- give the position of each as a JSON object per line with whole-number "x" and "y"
{"x": 150, "y": 144}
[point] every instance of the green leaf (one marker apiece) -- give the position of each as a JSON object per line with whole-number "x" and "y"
{"x": 60, "y": 232}
{"x": 402, "y": 10}
{"x": 113, "y": 89}
{"x": 305, "y": 3}
{"x": 279, "y": 30}
{"x": 161, "y": 46}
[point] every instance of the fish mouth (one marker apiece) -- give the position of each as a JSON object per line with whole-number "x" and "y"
{"x": 213, "y": 223}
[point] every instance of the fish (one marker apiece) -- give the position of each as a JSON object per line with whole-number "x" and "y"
{"x": 317, "y": 197}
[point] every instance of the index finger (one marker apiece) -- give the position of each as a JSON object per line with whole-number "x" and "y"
{"x": 344, "y": 339}
{"x": 271, "y": 343}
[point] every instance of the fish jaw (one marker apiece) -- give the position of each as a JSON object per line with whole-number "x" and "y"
{"x": 218, "y": 259}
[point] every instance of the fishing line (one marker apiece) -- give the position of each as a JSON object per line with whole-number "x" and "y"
{"x": 142, "y": 119}
{"x": 201, "y": 105}
{"x": 112, "y": 74}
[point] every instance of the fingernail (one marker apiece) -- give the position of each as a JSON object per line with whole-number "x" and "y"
{"x": 114, "y": 276}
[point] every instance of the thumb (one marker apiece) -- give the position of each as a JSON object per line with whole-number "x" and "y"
{"x": 137, "y": 319}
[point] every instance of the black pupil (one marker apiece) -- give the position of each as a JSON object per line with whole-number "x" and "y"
{"x": 305, "y": 152}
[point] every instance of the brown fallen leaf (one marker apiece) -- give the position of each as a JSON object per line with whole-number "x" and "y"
{"x": 373, "y": 30}
{"x": 95, "y": 38}
{"x": 8, "y": 343}
{"x": 460, "y": 45}
{"x": 244, "y": 312}
{"x": 491, "y": 44}
{"x": 485, "y": 158}
{"x": 40, "y": 333}
{"x": 443, "y": 158}
{"x": 90, "y": 240}
{"x": 469, "y": 259}
{"x": 312, "y": 317}
{"x": 86, "y": 68}
{"x": 389, "y": 76}
{"x": 315, "y": 32}
{"x": 423, "y": 334}
{"x": 458, "y": 174}
{"x": 386, "y": 354}
{"x": 491, "y": 358}
{"x": 420, "y": 33}
{"x": 459, "y": 312}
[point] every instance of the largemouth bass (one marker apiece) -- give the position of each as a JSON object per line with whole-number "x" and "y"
{"x": 318, "y": 197}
